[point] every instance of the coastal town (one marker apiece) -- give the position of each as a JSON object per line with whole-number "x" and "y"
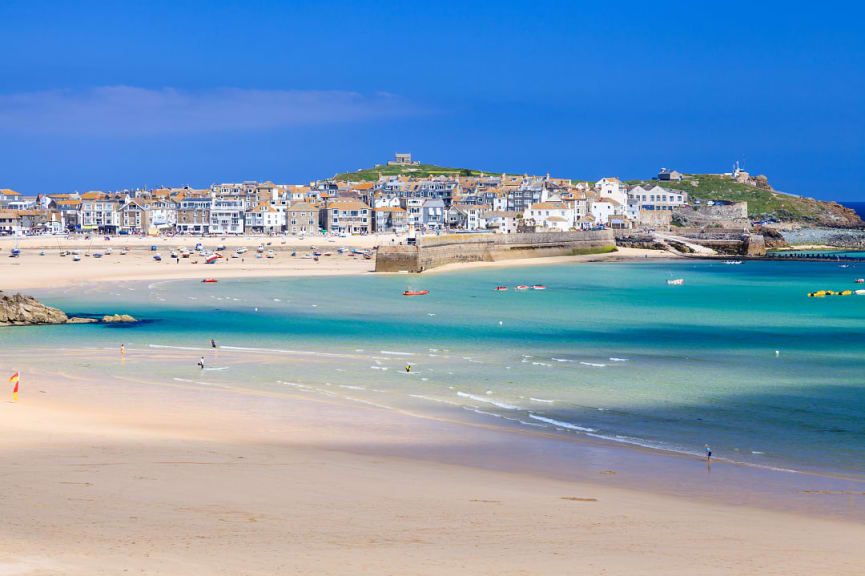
{"x": 395, "y": 203}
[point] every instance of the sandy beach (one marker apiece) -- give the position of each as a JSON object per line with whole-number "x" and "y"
{"x": 32, "y": 271}
{"x": 110, "y": 478}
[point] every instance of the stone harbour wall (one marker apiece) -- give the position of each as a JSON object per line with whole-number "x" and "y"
{"x": 434, "y": 251}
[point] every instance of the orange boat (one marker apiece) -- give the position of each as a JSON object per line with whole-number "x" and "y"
{"x": 210, "y": 280}
{"x": 411, "y": 292}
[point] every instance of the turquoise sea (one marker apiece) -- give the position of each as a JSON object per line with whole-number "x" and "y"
{"x": 738, "y": 357}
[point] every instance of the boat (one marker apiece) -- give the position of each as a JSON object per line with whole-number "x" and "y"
{"x": 294, "y": 253}
{"x": 15, "y": 253}
{"x": 676, "y": 282}
{"x": 241, "y": 251}
{"x": 174, "y": 255}
{"x": 500, "y": 288}
{"x": 307, "y": 256}
{"x": 271, "y": 254}
{"x": 316, "y": 253}
{"x": 732, "y": 261}
{"x": 860, "y": 281}
{"x": 859, "y": 292}
{"x": 538, "y": 287}
{"x": 157, "y": 257}
{"x": 521, "y": 287}
{"x": 108, "y": 250}
{"x": 212, "y": 259}
{"x": 843, "y": 265}
{"x": 220, "y": 247}
{"x": 97, "y": 255}
{"x": 76, "y": 258}
{"x": 411, "y": 292}
{"x": 153, "y": 248}
{"x": 328, "y": 253}
{"x": 42, "y": 253}
{"x": 210, "y": 281}
{"x": 124, "y": 252}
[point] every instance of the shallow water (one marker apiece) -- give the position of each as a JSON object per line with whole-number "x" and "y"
{"x": 737, "y": 357}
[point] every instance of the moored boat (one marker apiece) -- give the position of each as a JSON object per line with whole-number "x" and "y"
{"x": 411, "y": 292}
{"x": 860, "y": 281}
{"x": 676, "y": 282}
{"x": 501, "y": 288}
{"x": 210, "y": 281}
{"x": 539, "y": 287}
{"x": 521, "y": 287}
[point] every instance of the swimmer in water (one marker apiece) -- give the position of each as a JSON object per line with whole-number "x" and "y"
{"x": 708, "y": 454}
{"x": 212, "y": 343}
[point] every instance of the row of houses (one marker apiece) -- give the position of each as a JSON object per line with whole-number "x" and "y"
{"x": 500, "y": 203}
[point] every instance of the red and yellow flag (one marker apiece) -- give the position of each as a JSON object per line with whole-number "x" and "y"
{"x": 14, "y": 381}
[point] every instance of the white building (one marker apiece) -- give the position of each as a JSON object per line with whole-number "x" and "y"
{"x": 611, "y": 189}
{"x": 555, "y": 215}
{"x": 265, "y": 218}
{"x": 227, "y": 216}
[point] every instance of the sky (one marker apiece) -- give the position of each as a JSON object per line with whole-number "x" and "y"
{"x": 112, "y": 95}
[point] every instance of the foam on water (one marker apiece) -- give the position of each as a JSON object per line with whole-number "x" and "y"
{"x": 561, "y": 424}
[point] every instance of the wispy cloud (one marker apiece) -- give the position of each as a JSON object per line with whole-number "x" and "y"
{"x": 133, "y": 111}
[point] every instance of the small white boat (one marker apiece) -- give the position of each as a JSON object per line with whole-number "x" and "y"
{"x": 676, "y": 282}
{"x": 732, "y": 261}
{"x": 108, "y": 250}
{"x": 271, "y": 254}
{"x": 859, "y": 292}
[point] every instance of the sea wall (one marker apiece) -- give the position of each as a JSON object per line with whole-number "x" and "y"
{"x": 434, "y": 251}
{"x": 730, "y": 215}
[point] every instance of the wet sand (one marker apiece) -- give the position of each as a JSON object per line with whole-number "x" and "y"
{"x": 109, "y": 477}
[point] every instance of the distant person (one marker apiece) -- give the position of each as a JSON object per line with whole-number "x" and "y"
{"x": 212, "y": 343}
{"x": 201, "y": 363}
{"x": 708, "y": 454}
{"x": 408, "y": 367}
{"x": 122, "y": 350}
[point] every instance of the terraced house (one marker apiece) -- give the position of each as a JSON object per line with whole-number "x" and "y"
{"x": 346, "y": 217}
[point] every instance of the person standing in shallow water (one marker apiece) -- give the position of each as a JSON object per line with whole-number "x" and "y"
{"x": 123, "y": 350}
{"x": 708, "y": 454}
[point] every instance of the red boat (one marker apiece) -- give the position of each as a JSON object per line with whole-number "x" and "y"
{"x": 521, "y": 287}
{"x": 860, "y": 280}
{"x": 210, "y": 280}
{"x": 501, "y": 287}
{"x": 415, "y": 292}
{"x": 539, "y": 287}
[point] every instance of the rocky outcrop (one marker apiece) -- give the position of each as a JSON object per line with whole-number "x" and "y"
{"x": 21, "y": 310}
{"x": 77, "y": 320}
{"x": 118, "y": 318}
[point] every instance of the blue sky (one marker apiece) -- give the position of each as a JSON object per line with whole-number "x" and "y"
{"x": 105, "y": 95}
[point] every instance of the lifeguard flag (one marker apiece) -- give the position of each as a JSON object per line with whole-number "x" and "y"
{"x": 14, "y": 381}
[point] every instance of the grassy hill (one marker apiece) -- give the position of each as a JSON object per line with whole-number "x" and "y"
{"x": 421, "y": 171}
{"x": 761, "y": 203}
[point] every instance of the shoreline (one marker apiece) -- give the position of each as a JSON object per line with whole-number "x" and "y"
{"x": 32, "y": 271}
{"x": 381, "y": 474}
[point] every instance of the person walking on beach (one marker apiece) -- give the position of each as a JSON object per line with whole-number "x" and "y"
{"x": 123, "y": 351}
{"x": 201, "y": 363}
